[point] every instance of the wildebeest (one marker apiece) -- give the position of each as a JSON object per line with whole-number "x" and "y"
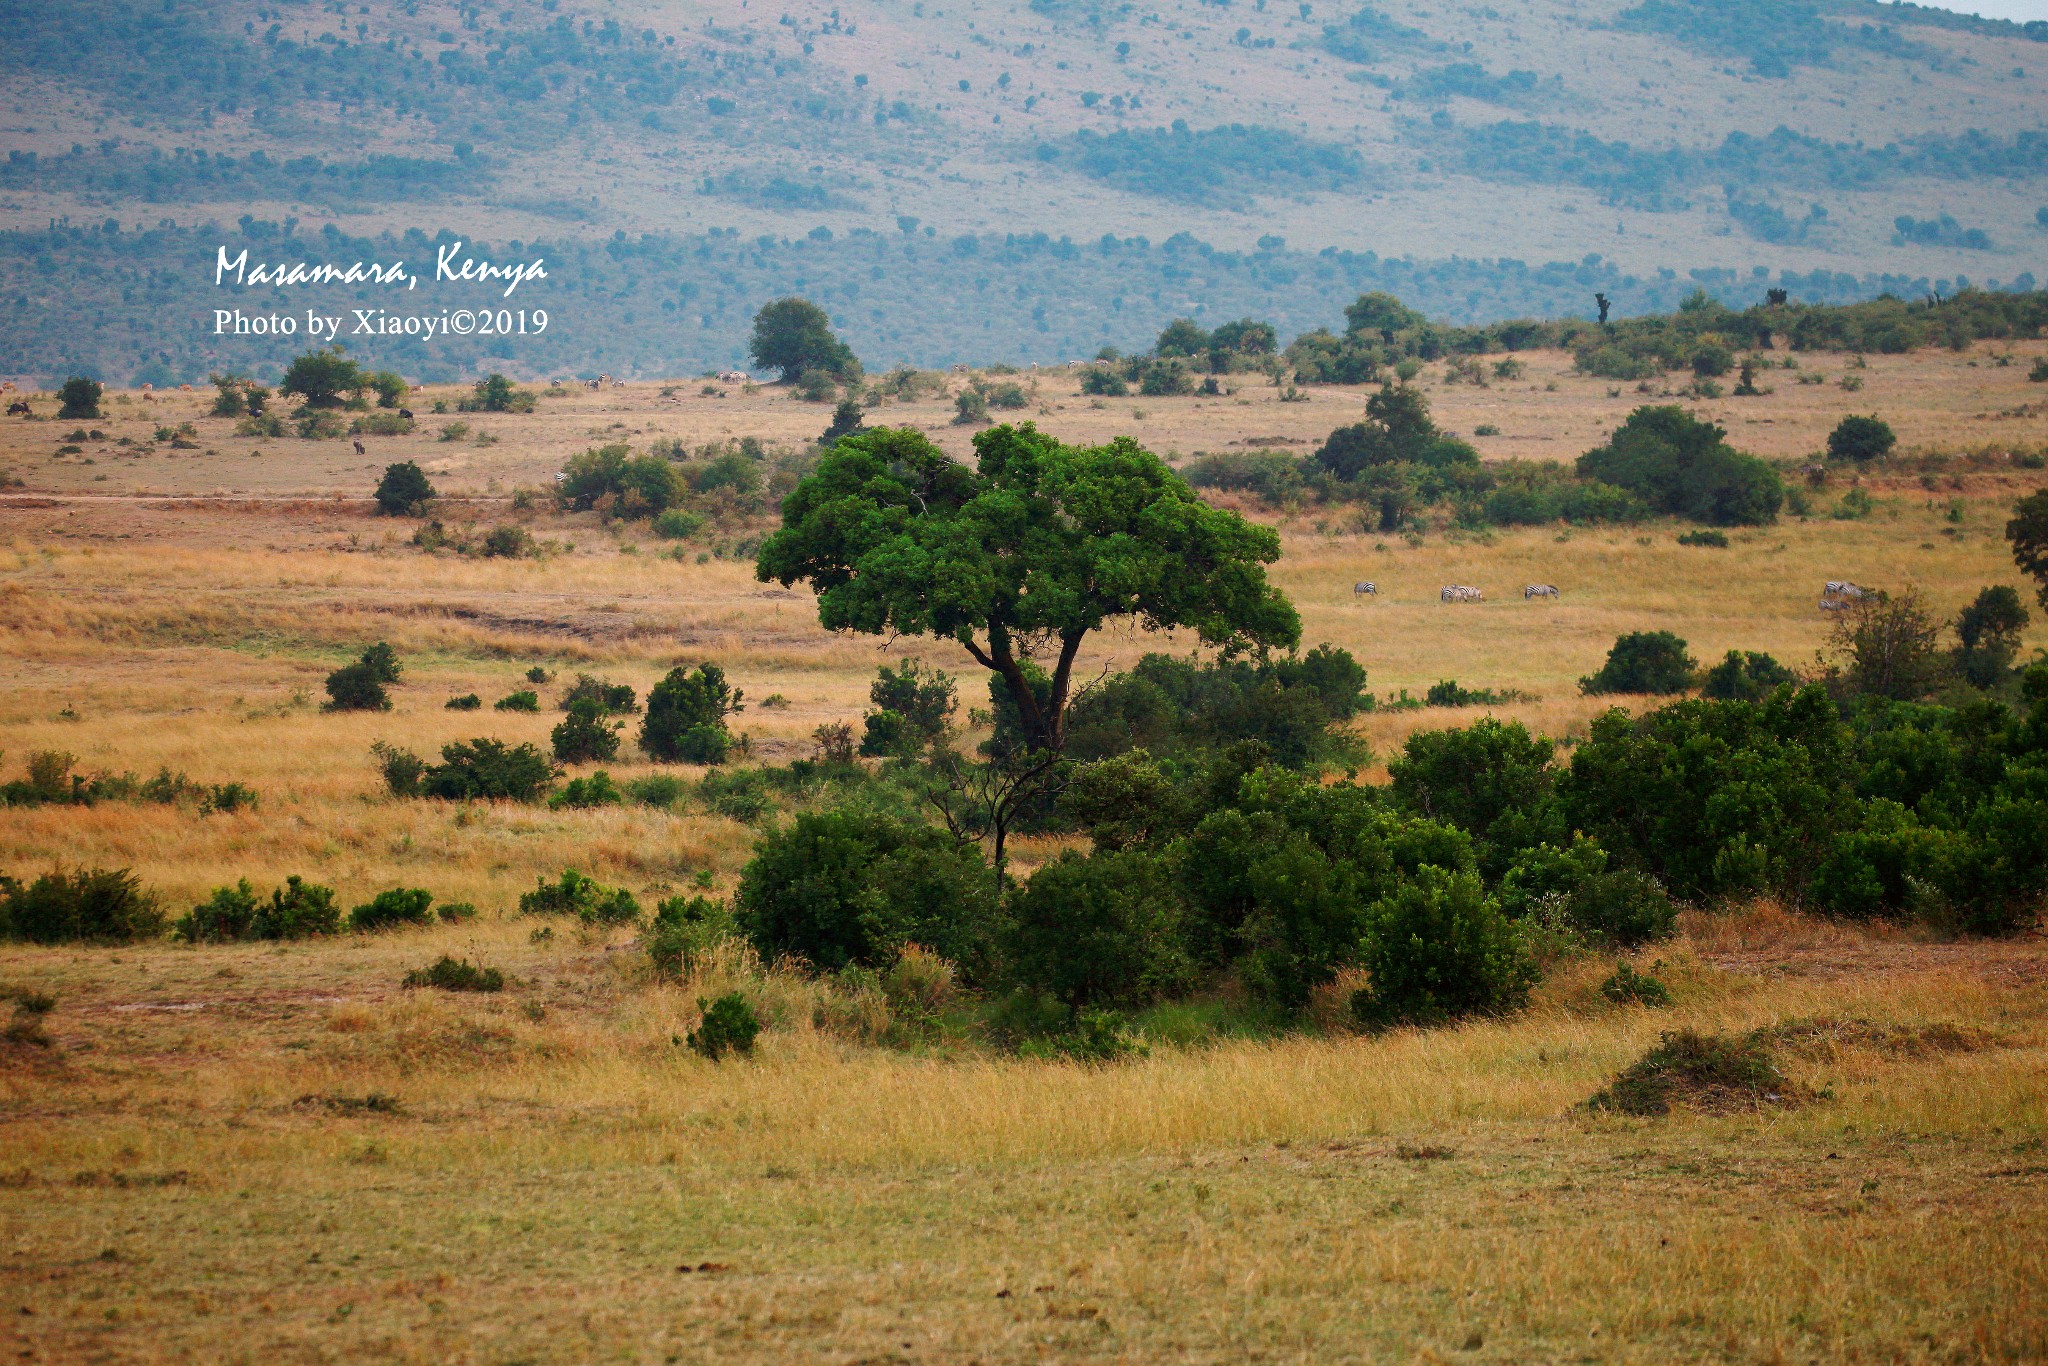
{"x": 1458, "y": 592}
{"x": 405, "y": 413}
{"x": 1539, "y": 590}
{"x": 1364, "y": 588}
{"x": 20, "y": 406}
{"x": 359, "y": 449}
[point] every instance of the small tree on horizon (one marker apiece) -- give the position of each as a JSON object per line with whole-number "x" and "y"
{"x": 794, "y": 335}
{"x": 322, "y": 377}
{"x": 80, "y": 397}
{"x": 404, "y": 490}
{"x": 1859, "y": 439}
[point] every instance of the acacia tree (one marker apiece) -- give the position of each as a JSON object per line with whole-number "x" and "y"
{"x": 794, "y": 336}
{"x": 1023, "y": 555}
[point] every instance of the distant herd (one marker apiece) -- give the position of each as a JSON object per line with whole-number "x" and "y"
{"x": 1837, "y": 595}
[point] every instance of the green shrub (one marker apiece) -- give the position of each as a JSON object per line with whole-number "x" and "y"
{"x": 381, "y": 424}
{"x": 1491, "y": 779}
{"x": 1712, "y": 540}
{"x": 455, "y": 912}
{"x": 1745, "y": 676}
{"x": 581, "y": 794}
{"x": 728, "y": 1026}
{"x": 80, "y": 397}
{"x": 402, "y": 769}
{"x": 297, "y": 910}
{"x": 509, "y": 542}
{"x": 1643, "y": 662}
{"x": 226, "y": 797}
{"x": 615, "y": 698}
{"x": 106, "y": 905}
{"x": 741, "y": 795}
{"x": 679, "y": 524}
{"x": 657, "y": 789}
{"x": 584, "y": 735}
{"x": 686, "y": 714}
{"x": 684, "y": 930}
{"x": 1549, "y": 874}
{"x": 913, "y": 706}
{"x": 454, "y": 974}
{"x": 1628, "y": 987}
{"x": 1860, "y": 439}
{"x": 523, "y": 700}
{"x": 397, "y": 906}
{"x": 1683, "y": 466}
{"x": 839, "y": 887}
{"x": 1622, "y": 906}
{"x": 356, "y": 687}
{"x": 585, "y": 898}
{"x": 487, "y": 770}
{"x": 1103, "y": 382}
{"x": 970, "y": 407}
{"x": 1099, "y": 930}
{"x": 469, "y": 701}
{"x": 1438, "y": 949}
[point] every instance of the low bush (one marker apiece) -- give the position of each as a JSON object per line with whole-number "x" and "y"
{"x": 97, "y": 905}
{"x": 469, "y": 701}
{"x": 1858, "y": 440}
{"x": 686, "y": 717}
{"x": 482, "y": 769}
{"x": 509, "y": 542}
{"x": 657, "y": 789}
{"x": 585, "y": 898}
{"x": 1099, "y": 930}
{"x": 1706, "y": 537}
{"x": 581, "y": 794}
{"x": 454, "y": 974}
{"x": 1745, "y": 676}
{"x": 398, "y": 906}
{"x": 1439, "y": 949}
{"x": 729, "y": 1025}
{"x": 1712, "y": 1072}
{"x": 684, "y": 930}
{"x": 1625, "y": 986}
{"x": 523, "y": 700}
{"x": 222, "y": 798}
{"x": 584, "y": 735}
{"x": 740, "y": 795}
{"x": 297, "y": 910}
{"x": 616, "y": 699}
{"x": 679, "y": 524}
{"x": 1643, "y": 662}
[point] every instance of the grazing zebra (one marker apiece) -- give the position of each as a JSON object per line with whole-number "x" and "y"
{"x": 1365, "y": 589}
{"x": 590, "y": 384}
{"x": 1457, "y": 592}
{"x": 1835, "y": 604}
{"x": 1539, "y": 590}
{"x": 1842, "y": 588}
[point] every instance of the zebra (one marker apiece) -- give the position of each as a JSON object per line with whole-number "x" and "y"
{"x": 1835, "y": 604}
{"x": 1842, "y": 588}
{"x": 1365, "y": 588}
{"x": 1539, "y": 590}
{"x": 1456, "y": 592}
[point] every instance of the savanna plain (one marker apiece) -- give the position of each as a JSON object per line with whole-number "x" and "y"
{"x": 275, "y": 1152}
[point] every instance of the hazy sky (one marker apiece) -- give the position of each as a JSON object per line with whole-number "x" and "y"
{"x": 1999, "y": 9}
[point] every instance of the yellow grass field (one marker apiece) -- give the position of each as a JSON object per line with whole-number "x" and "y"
{"x": 273, "y": 1153}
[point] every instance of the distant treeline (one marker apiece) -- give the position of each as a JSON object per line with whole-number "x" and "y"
{"x": 139, "y": 305}
{"x": 147, "y": 175}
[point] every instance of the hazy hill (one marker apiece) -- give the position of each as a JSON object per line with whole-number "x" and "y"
{"x": 1890, "y": 144}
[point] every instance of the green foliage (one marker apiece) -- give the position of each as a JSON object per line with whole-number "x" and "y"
{"x": 1491, "y": 779}
{"x": 401, "y": 768}
{"x": 1683, "y": 466}
{"x": 678, "y": 524}
{"x": 1397, "y": 430}
{"x": 1891, "y": 647}
{"x": 1215, "y": 167}
{"x": 661, "y": 790}
{"x": 297, "y": 910}
{"x": 739, "y": 795}
{"x": 404, "y": 491}
{"x": 1859, "y": 440}
{"x": 615, "y": 481}
{"x": 509, "y": 541}
{"x": 356, "y": 687}
{"x": 728, "y": 1026}
{"x": 496, "y": 394}
{"x": 2027, "y": 533}
{"x": 846, "y": 420}
{"x": 323, "y": 377}
{"x": 1745, "y": 676}
{"x": 1293, "y": 705}
{"x": 794, "y": 335}
{"x": 970, "y": 408}
{"x": 1041, "y": 537}
{"x": 914, "y": 705}
{"x": 839, "y": 887}
{"x": 1988, "y": 636}
{"x": 484, "y": 769}
{"x": 523, "y": 700}
{"x": 684, "y": 931}
{"x": 397, "y": 906}
{"x": 583, "y": 794}
{"x": 454, "y": 974}
{"x": 1712, "y": 540}
{"x": 1103, "y": 382}
{"x": 1625, "y": 986}
{"x": 616, "y": 699}
{"x": 584, "y": 735}
{"x": 1099, "y": 930}
{"x": 1643, "y": 662}
{"x": 1274, "y": 476}
{"x": 97, "y": 905}
{"x": 686, "y": 714}
{"x": 585, "y": 898}
{"x": 1621, "y": 906}
{"x": 78, "y": 397}
{"x": 1438, "y": 949}
{"x": 388, "y": 385}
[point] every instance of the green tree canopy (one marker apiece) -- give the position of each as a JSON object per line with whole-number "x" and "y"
{"x": 1857, "y": 439}
{"x": 322, "y": 377}
{"x": 1037, "y": 546}
{"x": 1683, "y": 466}
{"x": 2028, "y": 532}
{"x": 1182, "y": 337}
{"x": 794, "y": 335}
{"x": 1397, "y": 429}
{"x": 403, "y": 490}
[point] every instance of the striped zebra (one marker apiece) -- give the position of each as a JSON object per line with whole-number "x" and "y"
{"x": 1457, "y": 592}
{"x": 1835, "y": 604}
{"x": 1365, "y": 588}
{"x": 1842, "y": 588}
{"x": 1539, "y": 590}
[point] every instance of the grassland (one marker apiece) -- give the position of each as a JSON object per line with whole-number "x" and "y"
{"x": 275, "y": 1153}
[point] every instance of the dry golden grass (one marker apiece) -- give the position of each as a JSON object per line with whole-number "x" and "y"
{"x": 183, "y": 1174}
